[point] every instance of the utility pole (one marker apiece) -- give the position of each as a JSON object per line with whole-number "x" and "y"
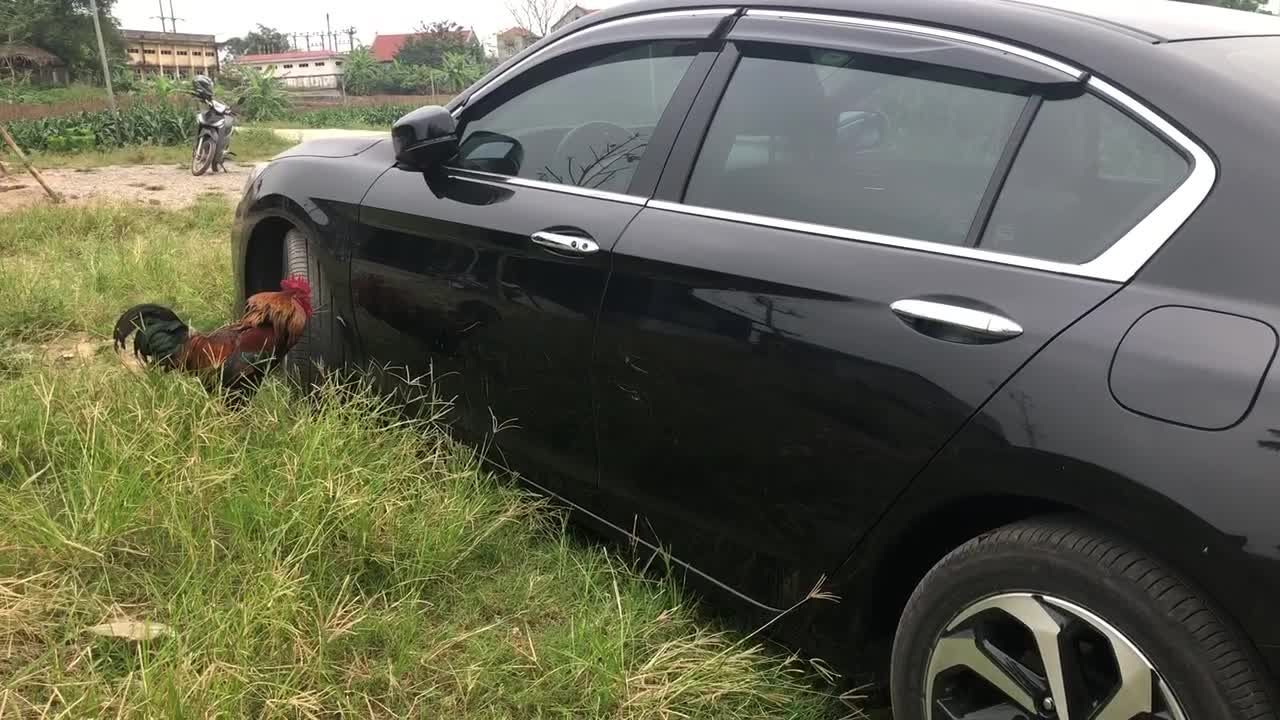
{"x": 351, "y": 39}
{"x": 102, "y": 52}
{"x": 328, "y": 32}
{"x": 173, "y": 19}
{"x": 162, "y": 16}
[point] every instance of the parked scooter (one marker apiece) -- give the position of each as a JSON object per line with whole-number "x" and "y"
{"x": 213, "y": 133}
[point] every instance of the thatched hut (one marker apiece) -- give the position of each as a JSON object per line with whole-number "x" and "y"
{"x": 21, "y": 59}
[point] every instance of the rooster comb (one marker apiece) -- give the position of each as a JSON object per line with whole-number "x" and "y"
{"x": 296, "y": 284}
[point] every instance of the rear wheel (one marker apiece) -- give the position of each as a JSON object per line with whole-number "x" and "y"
{"x": 321, "y": 347}
{"x": 1054, "y": 619}
{"x": 202, "y": 154}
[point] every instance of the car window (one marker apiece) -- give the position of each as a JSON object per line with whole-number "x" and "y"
{"x": 588, "y": 125}
{"x": 856, "y": 141}
{"x": 1085, "y": 175}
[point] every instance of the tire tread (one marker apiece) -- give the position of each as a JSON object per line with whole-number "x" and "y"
{"x": 1235, "y": 665}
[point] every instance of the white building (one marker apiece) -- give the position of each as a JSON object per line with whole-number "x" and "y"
{"x": 301, "y": 69}
{"x": 570, "y": 15}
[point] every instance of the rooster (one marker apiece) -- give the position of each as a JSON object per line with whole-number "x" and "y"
{"x": 234, "y": 357}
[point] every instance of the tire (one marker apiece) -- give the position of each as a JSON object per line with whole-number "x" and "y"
{"x": 202, "y": 152}
{"x": 321, "y": 347}
{"x": 1116, "y": 606}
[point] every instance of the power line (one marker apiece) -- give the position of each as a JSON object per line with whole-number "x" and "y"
{"x": 173, "y": 19}
{"x": 163, "y": 17}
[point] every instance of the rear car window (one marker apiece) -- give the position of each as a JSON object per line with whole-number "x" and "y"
{"x": 854, "y": 141}
{"x": 1085, "y": 175}
{"x": 909, "y": 150}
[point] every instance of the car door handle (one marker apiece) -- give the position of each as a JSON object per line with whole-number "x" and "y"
{"x": 568, "y": 244}
{"x": 986, "y": 325}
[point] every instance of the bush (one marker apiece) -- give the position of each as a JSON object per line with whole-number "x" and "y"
{"x": 379, "y": 116}
{"x": 151, "y": 122}
{"x": 261, "y": 95}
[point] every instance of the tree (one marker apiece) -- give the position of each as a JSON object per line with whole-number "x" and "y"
{"x": 18, "y": 18}
{"x": 362, "y": 73}
{"x": 1249, "y": 5}
{"x": 536, "y": 16}
{"x": 435, "y": 40}
{"x": 263, "y": 41}
{"x": 64, "y": 28}
{"x": 260, "y": 94}
{"x": 459, "y": 70}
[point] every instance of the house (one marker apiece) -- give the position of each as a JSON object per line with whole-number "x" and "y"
{"x": 21, "y": 59}
{"x": 570, "y": 15}
{"x": 385, "y": 47}
{"x": 300, "y": 69}
{"x": 176, "y": 55}
{"x": 513, "y": 40}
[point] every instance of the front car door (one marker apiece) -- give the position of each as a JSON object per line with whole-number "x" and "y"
{"x": 481, "y": 283}
{"x": 864, "y": 230}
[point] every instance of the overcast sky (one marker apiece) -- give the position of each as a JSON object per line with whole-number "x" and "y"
{"x": 228, "y": 18}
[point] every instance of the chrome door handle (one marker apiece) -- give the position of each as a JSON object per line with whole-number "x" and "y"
{"x": 571, "y": 244}
{"x": 979, "y": 322}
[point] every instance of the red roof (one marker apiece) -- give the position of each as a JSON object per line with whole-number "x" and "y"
{"x": 515, "y": 32}
{"x": 287, "y": 56}
{"x": 385, "y": 47}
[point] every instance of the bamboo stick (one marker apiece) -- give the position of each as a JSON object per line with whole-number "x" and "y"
{"x": 8, "y": 139}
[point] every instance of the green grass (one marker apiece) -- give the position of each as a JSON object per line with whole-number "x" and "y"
{"x": 74, "y": 269}
{"x": 249, "y": 145}
{"x": 51, "y": 95}
{"x": 309, "y": 559}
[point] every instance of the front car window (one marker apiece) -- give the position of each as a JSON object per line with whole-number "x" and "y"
{"x": 587, "y": 125}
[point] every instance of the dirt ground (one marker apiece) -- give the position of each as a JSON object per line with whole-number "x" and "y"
{"x": 166, "y": 185}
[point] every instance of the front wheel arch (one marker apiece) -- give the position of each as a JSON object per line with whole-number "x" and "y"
{"x": 278, "y": 247}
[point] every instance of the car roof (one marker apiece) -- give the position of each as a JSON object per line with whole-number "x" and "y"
{"x": 1166, "y": 20}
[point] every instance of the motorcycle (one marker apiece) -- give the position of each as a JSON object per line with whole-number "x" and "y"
{"x": 213, "y": 132}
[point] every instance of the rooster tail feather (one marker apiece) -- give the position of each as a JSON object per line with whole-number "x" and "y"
{"x": 160, "y": 333}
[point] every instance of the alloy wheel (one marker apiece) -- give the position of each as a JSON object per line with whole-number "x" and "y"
{"x": 1020, "y": 656}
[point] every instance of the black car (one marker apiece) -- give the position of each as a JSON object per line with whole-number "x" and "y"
{"x": 966, "y": 307}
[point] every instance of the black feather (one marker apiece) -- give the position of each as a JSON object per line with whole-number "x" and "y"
{"x": 160, "y": 334}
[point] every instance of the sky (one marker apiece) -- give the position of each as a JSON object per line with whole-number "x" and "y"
{"x": 229, "y": 18}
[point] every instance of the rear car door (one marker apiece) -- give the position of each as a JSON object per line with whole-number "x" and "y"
{"x": 864, "y": 230}
{"x": 482, "y": 282}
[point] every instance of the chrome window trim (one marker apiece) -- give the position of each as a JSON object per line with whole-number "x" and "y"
{"x": 1119, "y": 263}
{"x": 1064, "y": 68}
{"x": 869, "y": 237}
{"x": 1126, "y": 256}
{"x": 498, "y": 179}
{"x": 483, "y": 90}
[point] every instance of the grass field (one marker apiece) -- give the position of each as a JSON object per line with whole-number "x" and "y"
{"x": 304, "y": 559}
{"x": 249, "y": 145}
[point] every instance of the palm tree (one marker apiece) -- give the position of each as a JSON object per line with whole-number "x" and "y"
{"x": 459, "y": 71}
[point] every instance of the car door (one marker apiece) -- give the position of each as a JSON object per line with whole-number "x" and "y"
{"x": 481, "y": 283}
{"x": 806, "y": 312}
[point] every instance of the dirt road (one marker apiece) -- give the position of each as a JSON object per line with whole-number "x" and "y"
{"x": 166, "y": 185}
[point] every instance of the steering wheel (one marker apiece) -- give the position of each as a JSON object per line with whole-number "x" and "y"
{"x": 597, "y": 155}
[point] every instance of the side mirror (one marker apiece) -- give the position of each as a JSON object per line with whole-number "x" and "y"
{"x": 863, "y": 130}
{"x": 425, "y": 138}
